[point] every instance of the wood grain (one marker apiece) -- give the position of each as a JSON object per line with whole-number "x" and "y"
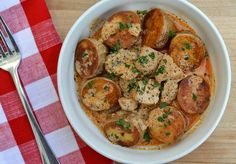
{"x": 221, "y": 146}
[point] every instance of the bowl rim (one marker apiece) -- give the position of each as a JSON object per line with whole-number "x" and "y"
{"x": 194, "y": 146}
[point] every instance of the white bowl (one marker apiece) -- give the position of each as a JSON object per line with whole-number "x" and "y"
{"x": 89, "y": 132}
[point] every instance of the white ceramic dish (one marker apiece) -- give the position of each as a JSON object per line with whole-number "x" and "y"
{"x": 89, "y": 132}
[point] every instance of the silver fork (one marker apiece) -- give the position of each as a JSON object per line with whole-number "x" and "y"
{"x": 9, "y": 61}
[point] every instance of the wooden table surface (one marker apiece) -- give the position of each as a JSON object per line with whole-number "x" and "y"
{"x": 221, "y": 146}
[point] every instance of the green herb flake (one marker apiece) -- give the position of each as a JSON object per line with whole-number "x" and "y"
{"x": 122, "y": 26}
{"x": 161, "y": 70}
{"x": 194, "y": 97}
{"x": 152, "y": 55}
{"x": 169, "y": 122}
{"x": 146, "y": 135}
{"x": 115, "y": 48}
{"x": 172, "y": 34}
{"x": 163, "y": 105}
{"x": 124, "y": 124}
{"x": 165, "y": 126}
{"x": 90, "y": 84}
{"x": 156, "y": 85}
{"x": 106, "y": 88}
{"x": 187, "y": 46}
{"x": 160, "y": 119}
{"x": 129, "y": 25}
{"x": 134, "y": 70}
{"x": 142, "y": 12}
{"x": 165, "y": 61}
{"x": 127, "y": 65}
{"x": 143, "y": 60}
{"x": 164, "y": 115}
{"x": 84, "y": 55}
{"x": 145, "y": 81}
{"x": 167, "y": 133}
{"x": 132, "y": 85}
{"x": 111, "y": 76}
{"x": 206, "y": 54}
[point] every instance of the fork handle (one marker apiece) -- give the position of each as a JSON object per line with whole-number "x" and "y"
{"x": 46, "y": 153}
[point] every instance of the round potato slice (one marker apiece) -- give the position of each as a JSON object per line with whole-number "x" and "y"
{"x": 167, "y": 124}
{"x": 187, "y": 51}
{"x": 157, "y": 27}
{"x": 89, "y": 57}
{"x": 193, "y": 94}
{"x": 122, "y": 132}
{"x": 122, "y": 28}
{"x": 100, "y": 94}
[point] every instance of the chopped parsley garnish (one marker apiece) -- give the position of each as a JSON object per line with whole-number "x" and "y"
{"x": 127, "y": 65}
{"x": 132, "y": 85}
{"x": 169, "y": 122}
{"x": 115, "y": 48}
{"x": 161, "y": 70}
{"x": 84, "y": 55}
{"x": 186, "y": 57}
{"x": 143, "y": 60}
{"x": 111, "y": 76}
{"x": 106, "y": 88}
{"x": 167, "y": 133}
{"x": 124, "y": 26}
{"x": 156, "y": 84}
{"x": 152, "y": 55}
{"x": 160, "y": 119}
{"x": 126, "y": 125}
{"x": 165, "y": 61}
{"x": 142, "y": 12}
{"x": 147, "y": 136}
{"x": 163, "y": 105}
{"x": 187, "y": 46}
{"x": 172, "y": 34}
{"x": 194, "y": 97}
{"x": 145, "y": 81}
{"x": 134, "y": 70}
{"x": 90, "y": 84}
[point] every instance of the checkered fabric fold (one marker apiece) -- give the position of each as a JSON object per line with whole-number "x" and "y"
{"x": 39, "y": 44}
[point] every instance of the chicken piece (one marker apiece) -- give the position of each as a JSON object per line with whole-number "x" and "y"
{"x": 187, "y": 51}
{"x": 148, "y": 60}
{"x": 122, "y": 28}
{"x": 122, "y": 64}
{"x": 122, "y": 132}
{"x": 193, "y": 94}
{"x": 127, "y": 104}
{"x": 166, "y": 124}
{"x": 148, "y": 92}
{"x": 170, "y": 90}
{"x": 157, "y": 26}
{"x": 90, "y": 56}
{"x": 129, "y": 88}
{"x": 138, "y": 122}
{"x": 168, "y": 70}
{"x": 100, "y": 94}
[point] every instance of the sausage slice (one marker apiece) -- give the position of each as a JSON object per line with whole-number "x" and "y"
{"x": 187, "y": 51}
{"x": 157, "y": 26}
{"x": 89, "y": 58}
{"x": 122, "y": 132}
{"x": 122, "y": 28}
{"x": 100, "y": 94}
{"x": 167, "y": 124}
{"x": 193, "y": 94}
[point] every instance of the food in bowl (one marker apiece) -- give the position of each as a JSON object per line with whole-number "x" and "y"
{"x": 144, "y": 78}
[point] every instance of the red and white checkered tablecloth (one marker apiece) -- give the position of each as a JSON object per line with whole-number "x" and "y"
{"x": 39, "y": 44}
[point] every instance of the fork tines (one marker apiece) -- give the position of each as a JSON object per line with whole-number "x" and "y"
{"x": 11, "y": 43}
